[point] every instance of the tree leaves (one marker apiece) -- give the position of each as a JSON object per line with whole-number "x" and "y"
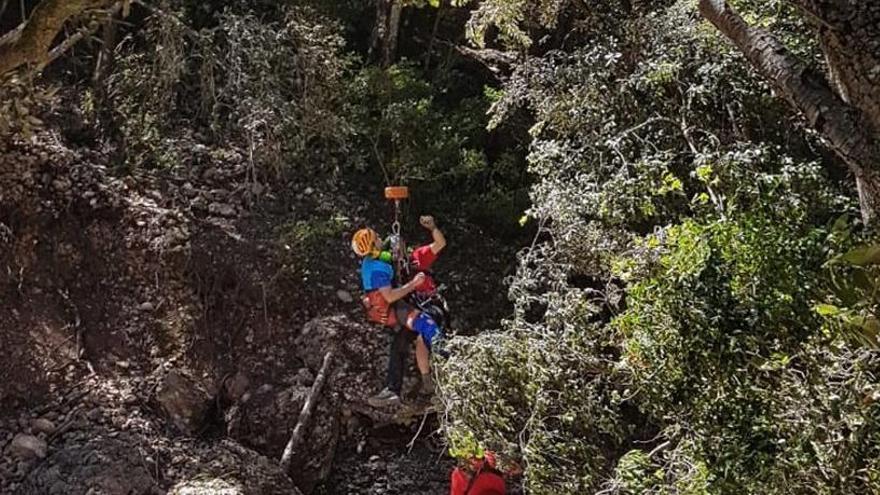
{"x": 863, "y": 256}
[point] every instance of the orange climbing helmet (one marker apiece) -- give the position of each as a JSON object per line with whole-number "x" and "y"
{"x": 364, "y": 242}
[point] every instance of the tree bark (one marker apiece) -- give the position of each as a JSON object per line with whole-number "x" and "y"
{"x": 380, "y": 30}
{"x": 500, "y": 63}
{"x": 389, "y": 47}
{"x": 849, "y": 130}
{"x": 104, "y": 64}
{"x": 849, "y": 33}
{"x": 385, "y": 32}
{"x": 866, "y": 189}
{"x": 30, "y": 43}
{"x": 3, "y": 5}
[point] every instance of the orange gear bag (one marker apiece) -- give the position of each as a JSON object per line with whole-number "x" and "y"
{"x": 378, "y": 309}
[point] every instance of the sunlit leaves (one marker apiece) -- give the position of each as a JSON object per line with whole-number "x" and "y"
{"x": 666, "y": 173}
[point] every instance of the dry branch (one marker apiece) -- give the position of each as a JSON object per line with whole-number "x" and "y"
{"x": 305, "y": 415}
{"x": 31, "y": 43}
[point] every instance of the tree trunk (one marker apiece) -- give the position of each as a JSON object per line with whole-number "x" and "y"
{"x": 389, "y": 48}
{"x": 380, "y": 28}
{"x": 434, "y": 32}
{"x": 103, "y": 68}
{"x": 849, "y": 32}
{"x": 30, "y": 43}
{"x": 104, "y": 64}
{"x": 868, "y": 184}
{"x": 383, "y": 46}
{"x": 848, "y": 128}
{"x": 3, "y": 5}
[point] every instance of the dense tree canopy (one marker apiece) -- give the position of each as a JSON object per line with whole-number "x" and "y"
{"x": 695, "y": 315}
{"x": 692, "y": 187}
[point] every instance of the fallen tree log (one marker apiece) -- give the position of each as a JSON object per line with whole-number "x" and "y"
{"x": 305, "y": 415}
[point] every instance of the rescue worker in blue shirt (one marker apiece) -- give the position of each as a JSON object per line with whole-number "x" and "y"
{"x": 385, "y": 305}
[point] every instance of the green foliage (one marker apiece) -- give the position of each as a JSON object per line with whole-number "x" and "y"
{"x": 300, "y": 241}
{"x": 729, "y": 298}
{"x": 692, "y": 318}
{"x": 434, "y": 3}
{"x": 638, "y": 473}
{"x": 411, "y": 135}
{"x": 417, "y": 135}
{"x": 518, "y": 24}
{"x": 786, "y": 21}
{"x": 853, "y": 277}
{"x": 506, "y": 16}
{"x": 550, "y": 405}
{"x": 272, "y": 89}
{"x": 144, "y": 92}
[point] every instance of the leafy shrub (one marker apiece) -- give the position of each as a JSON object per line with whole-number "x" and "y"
{"x": 300, "y": 241}
{"x": 416, "y": 136}
{"x": 678, "y": 303}
{"x": 411, "y": 135}
{"x": 728, "y": 302}
{"x": 274, "y": 89}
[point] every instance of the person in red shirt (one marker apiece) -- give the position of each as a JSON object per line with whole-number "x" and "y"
{"x": 423, "y": 257}
{"x": 480, "y": 477}
{"x": 421, "y": 260}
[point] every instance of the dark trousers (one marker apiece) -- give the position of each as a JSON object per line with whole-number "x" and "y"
{"x": 401, "y": 343}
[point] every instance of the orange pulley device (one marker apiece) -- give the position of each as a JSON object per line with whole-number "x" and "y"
{"x": 398, "y": 248}
{"x": 396, "y": 192}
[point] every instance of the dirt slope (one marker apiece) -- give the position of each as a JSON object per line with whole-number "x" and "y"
{"x": 109, "y": 285}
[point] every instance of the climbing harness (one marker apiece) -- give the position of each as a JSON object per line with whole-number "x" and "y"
{"x": 434, "y": 305}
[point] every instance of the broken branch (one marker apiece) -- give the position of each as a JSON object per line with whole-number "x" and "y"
{"x": 31, "y": 43}
{"x": 305, "y": 415}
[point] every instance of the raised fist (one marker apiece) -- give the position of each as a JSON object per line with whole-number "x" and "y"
{"x": 427, "y": 222}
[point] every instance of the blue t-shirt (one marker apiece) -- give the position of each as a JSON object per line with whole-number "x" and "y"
{"x": 376, "y": 274}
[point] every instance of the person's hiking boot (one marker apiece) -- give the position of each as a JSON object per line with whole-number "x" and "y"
{"x": 384, "y": 398}
{"x": 427, "y": 384}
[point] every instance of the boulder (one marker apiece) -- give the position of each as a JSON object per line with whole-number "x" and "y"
{"x": 344, "y": 296}
{"x": 28, "y": 447}
{"x": 184, "y": 401}
{"x": 127, "y": 464}
{"x": 43, "y": 425}
{"x": 361, "y": 355}
{"x": 235, "y": 386}
{"x": 265, "y": 421}
{"x": 222, "y": 210}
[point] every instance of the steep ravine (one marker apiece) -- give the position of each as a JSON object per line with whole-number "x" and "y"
{"x": 155, "y": 340}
